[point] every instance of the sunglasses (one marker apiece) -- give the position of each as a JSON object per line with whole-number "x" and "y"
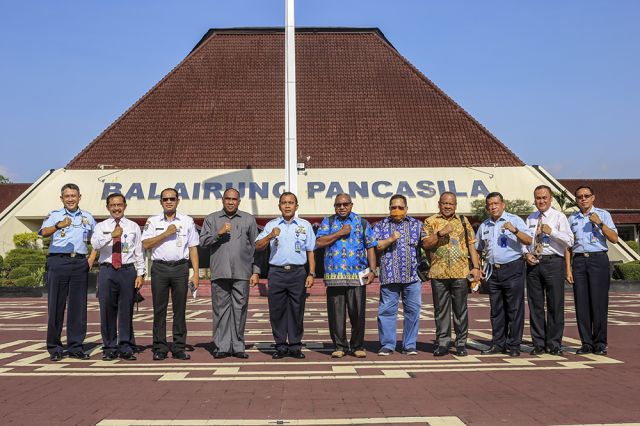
{"x": 164, "y": 200}
{"x": 584, "y": 196}
{"x": 396, "y": 207}
{"x": 341, "y": 205}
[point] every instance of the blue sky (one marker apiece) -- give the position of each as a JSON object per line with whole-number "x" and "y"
{"x": 556, "y": 81}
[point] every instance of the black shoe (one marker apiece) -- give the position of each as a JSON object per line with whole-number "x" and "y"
{"x": 279, "y": 354}
{"x": 79, "y": 355}
{"x": 129, "y": 356}
{"x": 297, "y": 354}
{"x": 537, "y": 350}
{"x": 556, "y": 351}
{"x": 600, "y": 350}
{"x": 493, "y": 350}
{"x": 159, "y": 356}
{"x": 220, "y": 355}
{"x": 584, "y": 349}
{"x": 461, "y": 351}
{"x": 441, "y": 351}
{"x": 182, "y": 355}
{"x": 109, "y": 356}
{"x": 241, "y": 355}
{"x": 56, "y": 356}
{"x": 513, "y": 352}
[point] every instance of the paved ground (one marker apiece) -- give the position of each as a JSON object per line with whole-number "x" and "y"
{"x": 479, "y": 390}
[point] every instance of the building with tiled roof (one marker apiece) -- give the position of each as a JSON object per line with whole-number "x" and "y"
{"x": 9, "y": 192}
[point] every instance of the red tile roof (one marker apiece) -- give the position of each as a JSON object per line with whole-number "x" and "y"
{"x": 9, "y": 192}
{"x": 360, "y": 104}
{"x": 611, "y": 194}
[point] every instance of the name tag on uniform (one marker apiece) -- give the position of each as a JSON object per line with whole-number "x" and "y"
{"x": 298, "y": 246}
{"x": 106, "y": 232}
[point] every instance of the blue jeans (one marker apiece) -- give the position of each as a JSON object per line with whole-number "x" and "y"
{"x": 388, "y": 313}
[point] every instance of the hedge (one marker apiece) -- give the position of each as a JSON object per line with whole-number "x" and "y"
{"x": 18, "y": 257}
{"x": 633, "y": 245}
{"x": 28, "y": 281}
{"x": 4, "y": 282}
{"x": 19, "y": 272}
{"x": 627, "y": 271}
{"x": 1, "y": 263}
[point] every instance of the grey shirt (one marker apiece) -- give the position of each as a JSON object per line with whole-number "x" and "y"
{"x": 232, "y": 255}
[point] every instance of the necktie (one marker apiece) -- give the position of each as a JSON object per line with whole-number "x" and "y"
{"x": 116, "y": 251}
{"x": 538, "y": 237}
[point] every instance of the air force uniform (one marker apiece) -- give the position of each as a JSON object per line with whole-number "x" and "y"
{"x": 67, "y": 276}
{"x": 116, "y": 281}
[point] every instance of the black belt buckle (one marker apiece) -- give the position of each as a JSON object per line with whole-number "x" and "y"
{"x": 287, "y": 267}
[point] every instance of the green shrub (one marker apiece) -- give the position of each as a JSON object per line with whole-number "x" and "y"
{"x": 20, "y": 256}
{"x": 629, "y": 271}
{"x": 633, "y": 245}
{"x": 1, "y": 263}
{"x": 26, "y": 240}
{"x": 5, "y": 282}
{"x": 28, "y": 281}
{"x": 19, "y": 272}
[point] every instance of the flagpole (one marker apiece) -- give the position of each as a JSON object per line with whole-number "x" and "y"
{"x": 290, "y": 134}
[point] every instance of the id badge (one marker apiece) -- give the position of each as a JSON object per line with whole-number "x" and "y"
{"x": 125, "y": 248}
{"x": 545, "y": 241}
{"x": 502, "y": 241}
{"x": 85, "y": 235}
{"x": 592, "y": 237}
{"x": 178, "y": 240}
{"x": 298, "y": 246}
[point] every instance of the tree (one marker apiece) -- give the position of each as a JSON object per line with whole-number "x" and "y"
{"x": 517, "y": 207}
{"x": 4, "y": 179}
{"x": 564, "y": 200}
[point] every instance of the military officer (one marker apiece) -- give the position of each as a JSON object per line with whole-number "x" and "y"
{"x": 70, "y": 229}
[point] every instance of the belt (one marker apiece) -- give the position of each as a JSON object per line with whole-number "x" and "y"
{"x": 549, "y": 256}
{"x": 590, "y": 254}
{"x": 286, "y": 267}
{"x": 74, "y": 255}
{"x": 171, "y": 262}
{"x": 502, "y": 265}
{"x": 123, "y": 266}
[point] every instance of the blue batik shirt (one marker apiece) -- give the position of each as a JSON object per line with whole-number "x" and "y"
{"x": 589, "y": 238}
{"x": 75, "y": 237}
{"x": 398, "y": 262}
{"x": 347, "y": 256}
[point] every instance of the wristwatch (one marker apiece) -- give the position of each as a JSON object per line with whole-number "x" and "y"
{"x": 312, "y": 274}
{"x": 55, "y": 225}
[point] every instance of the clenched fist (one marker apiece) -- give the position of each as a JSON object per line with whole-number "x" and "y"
{"x": 117, "y": 231}
{"x": 64, "y": 222}
{"x": 224, "y": 229}
{"x": 446, "y": 230}
{"x": 171, "y": 229}
{"x": 345, "y": 230}
{"x": 275, "y": 231}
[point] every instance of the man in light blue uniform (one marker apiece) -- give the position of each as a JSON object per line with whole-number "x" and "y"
{"x": 499, "y": 239}
{"x": 589, "y": 270}
{"x": 70, "y": 229}
{"x": 292, "y": 241}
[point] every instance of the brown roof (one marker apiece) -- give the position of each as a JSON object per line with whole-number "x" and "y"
{"x": 611, "y": 194}
{"x": 9, "y": 192}
{"x": 360, "y": 104}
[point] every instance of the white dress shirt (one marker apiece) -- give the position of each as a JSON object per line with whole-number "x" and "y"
{"x": 561, "y": 236}
{"x": 132, "y": 251}
{"x": 175, "y": 247}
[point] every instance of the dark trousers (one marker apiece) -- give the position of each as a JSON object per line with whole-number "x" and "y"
{"x": 286, "y": 306}
{"x": 506, "y": 294}
{"x": 591, "y": 282}
{"x": 340, "y": 302}
{"x": 230, "y": 300}
{"x": 165, "y": 278}
{"x": 545, "y": 282}
{"x": 448, "y": 292}
{"x": 116, "y": 289}
{"x": 67, "y": 278}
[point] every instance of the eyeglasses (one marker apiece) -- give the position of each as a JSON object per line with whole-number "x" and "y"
{"x": 336, "y": 205}
{"x": 116, "y": 205}
{"x": 164, "y": 200}
{"x": 397, "y": 207}
{"x": 584, "y": 196}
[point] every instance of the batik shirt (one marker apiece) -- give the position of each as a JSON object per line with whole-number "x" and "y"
{"x": 347, "y": 256}
{"x": 449, "y": 258}
{"x": 398, "y": 263}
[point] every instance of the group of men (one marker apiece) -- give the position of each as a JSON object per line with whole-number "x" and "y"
{"x": 542, "y": 252}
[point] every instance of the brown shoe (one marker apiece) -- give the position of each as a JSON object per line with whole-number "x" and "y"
{"x": 360, "y": 353}
{"x": 337, "y": 354}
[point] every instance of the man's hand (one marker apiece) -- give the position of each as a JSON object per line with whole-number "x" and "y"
{"x": 370, "y": 277}
{"x": 139, "y": 281}
{"x": 171, "y": 229}
{"x": 64, "y": 222}
{"x": 345, "y": 230}
{"x": 254, "y": 280}
{"x": 593, "y": 217}
{"x": 117, "y": 231}
{"x": 531, "y": 259}
{"x": 446, "y": 230}
{"x": 509, "y": 227}
{"x": 395, "y": 235}
{"x": 309, "y": 281}
{"x": 224, "y": 229}
{"x": 570, "y": 277}
{"x": 546, "y": 229}
{"x": 195, "y": 280}
{"x": 275, "y": 232}
{"x": 477, "y": 274}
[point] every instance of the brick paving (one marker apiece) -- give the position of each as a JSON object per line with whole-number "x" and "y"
{"x": 476, "y": 390}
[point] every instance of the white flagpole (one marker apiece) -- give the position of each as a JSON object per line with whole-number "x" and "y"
{"x": 290, "y": 134}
